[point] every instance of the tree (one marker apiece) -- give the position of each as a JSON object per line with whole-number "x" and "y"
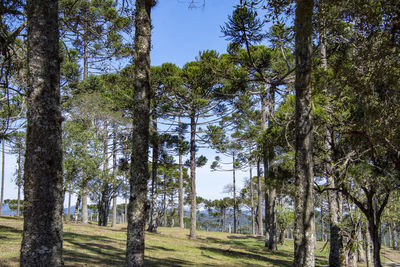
{"x": 138, "y": 205}
{"x": 304, "y": 238}
{"x": 43, "y": 192}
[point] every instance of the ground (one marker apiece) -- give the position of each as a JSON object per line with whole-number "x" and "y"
{"x": 91, "y": 245}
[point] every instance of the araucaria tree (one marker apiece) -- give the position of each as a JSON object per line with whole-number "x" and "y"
{"x": 138, "y": 205}
{"x": 43, "y": 194}
{"x": 304, "y": 236}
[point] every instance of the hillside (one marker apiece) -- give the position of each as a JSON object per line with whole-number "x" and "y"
{"x": 90, "y": 245}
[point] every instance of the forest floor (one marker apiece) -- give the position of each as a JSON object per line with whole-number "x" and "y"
{"x": 91, "y": 245}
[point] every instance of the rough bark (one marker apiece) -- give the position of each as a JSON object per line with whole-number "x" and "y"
{"x": 260, "y": 231}
{"x": 153, "y": 212}
{"x": 193, "y": 205}
{"x": 304, "y": 234}
{"x": 139, "y": 173}
{"x": 367, "y": 246}
{"x": 43, "y": 180}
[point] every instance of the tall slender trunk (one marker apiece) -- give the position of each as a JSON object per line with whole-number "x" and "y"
{"x": 77, "y": 206}
{"x": 138, "y": 204}
{"x": 2, "y": 177}
{"x": 304, "y": 243}
{"x": 271, "y": 241}
{"x": 234, "y": 194}
{"x": 165, "y": 201}
{"x": 154, "y": 173}
{"x": 193, "y": 205}
{"x": 43, "y": 177}
{"x": 69, "y": 205}
{"x": 253, "y": 232}
{"x": 114, "y": 174}
{"x": 85, "y": 203}
{"x": 322, "y": 223}
{"x": 394, "y": 236}
{"x": 181, "y": 212}
{"x": 259, "y": 204}
{"x": 105, "y": 191}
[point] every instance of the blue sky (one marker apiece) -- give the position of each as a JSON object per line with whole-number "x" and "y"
{"x": 179, "y": 34}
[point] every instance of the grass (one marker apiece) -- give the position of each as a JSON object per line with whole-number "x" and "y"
{"x": 90, "y": 245}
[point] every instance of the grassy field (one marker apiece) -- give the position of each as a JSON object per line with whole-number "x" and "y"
{"x": 90, "y": 245}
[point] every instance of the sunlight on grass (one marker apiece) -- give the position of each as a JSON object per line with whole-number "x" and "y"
{"x": 90, "y": 245}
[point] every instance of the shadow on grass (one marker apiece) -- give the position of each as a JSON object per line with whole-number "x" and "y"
{"x": 245, "y": 255}
{"x": 5, "y": 231}
{"x": 150, "y": 262}
{"x": 159, "y": 248}
{"x": 70, "y": 237}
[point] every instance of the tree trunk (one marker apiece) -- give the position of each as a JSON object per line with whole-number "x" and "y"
{"x": 84, "y": 204}
{"x": 69, "y": 205}
{"x": 193, "y": 205}
{"x": 252, "y": 199}
{"x": 165, "y": 201}
{"x": 394, "y": 236}
{"x": 234, "y": 195}
{"x": 360, "y": 248}
{"x": 154, "y": 174}
{"x": 260, "y": 231}
{"x": 322, "y": 224}
{"x": 2, "y": 177}
{"x": 304, "y": 243}
{"x": 104, "y": 204}
{"x": 270, "y": 196}
{"x": 373, "y": 229}
{"x": 368, "y": 244}
{"x": 114, "y": 174}
{"x": 43, "y": 177}
{"x": 181, "y": 211}
{"x": 138, "y": 204}
{"x": 77, "y": 206}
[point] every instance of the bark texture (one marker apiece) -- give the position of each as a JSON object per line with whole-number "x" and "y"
{"x": 260, "y": 231}
{"x": 43, "y": 191}
{"x": 139, "y": 173}
{"x": 154, "y": 172}
{"x": 304, "y": 234}
{"x": 2, "y": 177}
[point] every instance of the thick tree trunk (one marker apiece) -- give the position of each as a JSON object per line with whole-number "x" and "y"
{"x": 360, "y": 247}
{"x": 304, "y": 243}
{"x": 138, "y": 204}
{"x": 260, "y": 231}
{"x": 2, "y": 177}
{"x": 373, "y": 228}
{"x": 104, "y": 204}
{"x": 154, "y": 176}
{"x": 43, "y": 178}
{"x": 193, "y": 205}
